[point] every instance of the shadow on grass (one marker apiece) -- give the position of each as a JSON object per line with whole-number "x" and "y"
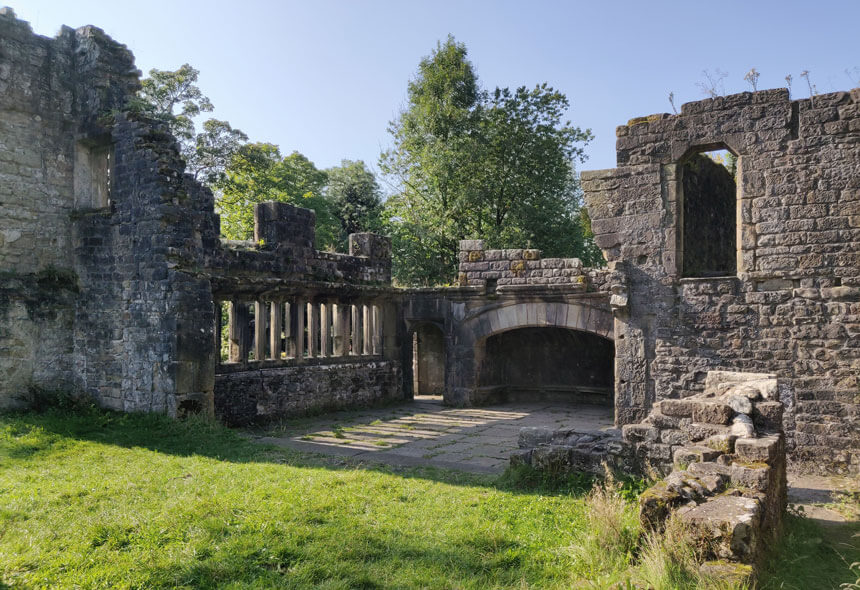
{"x": 200, "y": 437}
{"x": 813, "y": 554}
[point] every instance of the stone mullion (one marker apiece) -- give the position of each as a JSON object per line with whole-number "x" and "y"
{"x": 259, "y": 330}
{"x": 358, "y": 330}
{"x": 276, "y": 309}
{"x": 325, "y": 329}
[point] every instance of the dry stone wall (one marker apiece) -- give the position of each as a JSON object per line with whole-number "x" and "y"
{"x": 792, "y": 306}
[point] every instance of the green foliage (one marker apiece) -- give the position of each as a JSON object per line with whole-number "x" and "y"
{"x": 174, "y": 97}
{"x": 474, "y": 164}
{"x": 354, "y": 197}
{"x": 258, "y": 173}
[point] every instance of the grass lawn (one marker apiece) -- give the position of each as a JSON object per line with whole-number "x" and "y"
{"x": 104, "y": 500}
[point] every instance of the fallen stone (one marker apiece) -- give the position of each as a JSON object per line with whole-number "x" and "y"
{"x": 639, "y": 433}
{"x": 740, "y": 403}
{"x": 742, "y": 427}
{"x": 532, "y": 436}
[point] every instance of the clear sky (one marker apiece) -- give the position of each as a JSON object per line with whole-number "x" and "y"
{"x": 325, "y": 77}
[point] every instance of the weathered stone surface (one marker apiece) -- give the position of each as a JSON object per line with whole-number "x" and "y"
{"x": 758, "y": 450}
{"x": 684, "y": 456}
{"x": 742, "y": 426}
{"x": 731, "y": 525}
{"x": 712, "y": 413}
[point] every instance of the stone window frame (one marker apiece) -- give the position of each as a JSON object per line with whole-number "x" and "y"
{"x": 676, "y": 197}
{"x": 94, "y": 160}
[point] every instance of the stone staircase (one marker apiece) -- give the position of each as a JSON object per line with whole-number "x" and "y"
{"x": 722, "y": 455}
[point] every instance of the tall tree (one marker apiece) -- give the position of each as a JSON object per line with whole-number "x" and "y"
{"x": 257, "y": 173}
{"x": 354, "y": 196}
{"x": 174, "y": 97}
{"x": 471, "y": 164}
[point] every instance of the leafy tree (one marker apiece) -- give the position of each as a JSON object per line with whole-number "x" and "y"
{"x": 354, "y": 196}
{"x": 256, "y": 173}
{"x": 467, "y": 163}
{"x": 174, "y": 97}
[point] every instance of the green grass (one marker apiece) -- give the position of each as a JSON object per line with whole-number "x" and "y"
{"x": 103, "y": 500}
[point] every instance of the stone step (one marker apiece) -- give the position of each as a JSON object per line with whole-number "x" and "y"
{"x": 730, "y": 524}
{"x": 684, "y": 456}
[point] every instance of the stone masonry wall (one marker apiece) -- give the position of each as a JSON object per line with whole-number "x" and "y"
{"x": 518, "y": 266}
{"x": 110, "y": 256}
{"x": 244, "y": 397}
{"x": 49, "y": 111}
{"x": 793, "y": 306}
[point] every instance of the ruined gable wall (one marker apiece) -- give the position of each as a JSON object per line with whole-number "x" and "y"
{"x": 45, "y": 108}
{"x": 794, "y": 306}
{"x": 96, "y": 217}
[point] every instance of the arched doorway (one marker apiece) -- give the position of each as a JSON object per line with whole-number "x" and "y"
{"x": 547, "y": 363}
{"x": 428, "y": 360}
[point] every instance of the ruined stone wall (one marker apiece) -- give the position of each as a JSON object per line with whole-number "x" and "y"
{"x": 523, "y": 266}
{"x": 244, "y": 397}
{"x": 793, "y": 306}
{"x": 110, "y": 256}
{"x": 49, "y": 122}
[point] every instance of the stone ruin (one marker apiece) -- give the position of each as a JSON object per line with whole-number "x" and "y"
{"x": 114, "y": 280}
{"x": 722, "y": 453}
{"x": 724, "y": 331}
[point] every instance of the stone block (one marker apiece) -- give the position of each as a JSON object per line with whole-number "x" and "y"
{"x": 684, "y": 456}
{"x": 758, "y": 450}
{"x": 534, "y": 436}
{"x": 551, "y": 458}
{"x": 639, "y": 433}
{"x": 730, "y": 525}
{"x": 520, "y": 457}
{"x": 767, "y": 416}
{"x": 711, "y": 412}
{"x": 754, "y": 476}
{"x": 677, "y": 407}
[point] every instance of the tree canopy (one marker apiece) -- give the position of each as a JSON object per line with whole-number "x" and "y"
{"x": 355, "y": 199}
{"x": 468, "y": 163}
{"x": 257, "y": 173}
{"x": 174, "y": 97}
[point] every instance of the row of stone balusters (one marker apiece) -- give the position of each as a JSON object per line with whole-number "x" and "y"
{"x": 298, "y": 330}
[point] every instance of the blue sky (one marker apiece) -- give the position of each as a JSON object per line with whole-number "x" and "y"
{"x": 325, "y": 77}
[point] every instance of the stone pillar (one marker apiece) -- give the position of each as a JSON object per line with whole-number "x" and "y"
{"x": 238, "y": 332}
{"x": 275, "y": 326}
{"x": 297, "y": 328}
{"x": 377, "y": 329}
{"x": 341, "y": 329}
{"x": 367, "y": 340}
{"x": 289, "y": 341}
{"x": 260, "y": 313}
{"x": 325, "y": 329}
{"x": 357, "y": 330}
{"x": 313, "y": 329}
